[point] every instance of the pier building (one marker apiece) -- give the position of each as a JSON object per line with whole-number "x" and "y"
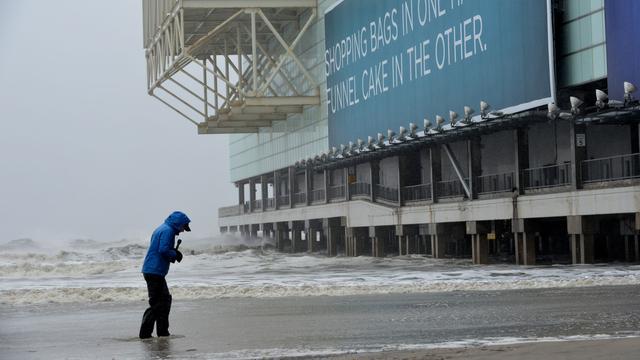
{"x": 501, "y": 131}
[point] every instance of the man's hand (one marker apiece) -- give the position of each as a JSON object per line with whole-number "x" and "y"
{"x": 178, "y": 256}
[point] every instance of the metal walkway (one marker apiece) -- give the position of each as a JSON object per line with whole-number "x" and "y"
{"x": 228, "y": 66}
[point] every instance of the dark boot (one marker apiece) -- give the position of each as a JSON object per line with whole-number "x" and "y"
{"x": 162, "y": 321}
{"x": 146, "y": 328}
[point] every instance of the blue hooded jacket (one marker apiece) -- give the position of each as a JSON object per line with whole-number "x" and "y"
{"x": 161, "y": 250}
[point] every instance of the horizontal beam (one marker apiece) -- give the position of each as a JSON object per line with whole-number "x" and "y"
{"x": 214, "y": 19}
{"x": 287, "y": 109}
{"x": 290, "y": 109}
{"x": 218, "y": 49}
{"x": 282, "y": 101}
{"x": 209, "y": 4}
{"x": 239, "y": 123}
{"x": 203, "y": 129}
{"x": 247, "y": 41}
{"x": 250, "y": 117}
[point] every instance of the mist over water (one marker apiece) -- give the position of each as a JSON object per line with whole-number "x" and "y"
{"x": 32, "y": 272}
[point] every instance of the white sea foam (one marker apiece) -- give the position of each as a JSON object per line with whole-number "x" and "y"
{"x": 60, "y": 269}
{"x": 265, "y": 290}
{"x": 111, "y": 272}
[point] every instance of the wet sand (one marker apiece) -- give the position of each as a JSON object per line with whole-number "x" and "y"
{"x": 330, "y": 327}
{"x": 617, "y": 349}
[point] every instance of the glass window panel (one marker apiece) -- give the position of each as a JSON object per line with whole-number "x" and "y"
{"x": 585, "y": 32}
{"x": 597, "y": 27}
{"x": 597, "y": 4}
{"x": 586, "y": 68}
{"x": 599, "y": 62}
{"x": 575, "y": 68}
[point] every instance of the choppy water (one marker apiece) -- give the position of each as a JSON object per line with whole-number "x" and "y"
{"x": 31, "y": 273}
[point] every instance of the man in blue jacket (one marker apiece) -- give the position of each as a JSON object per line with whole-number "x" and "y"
{"x": 161, "y": 252}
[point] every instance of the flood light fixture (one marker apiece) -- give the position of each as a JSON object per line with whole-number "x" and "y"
{"x": 439, "y": 122}
{"x": 575, "y": 104}
{"x": 553, "y": 111}
{"x": 484, "y": 109}
{"x": 402, "y": 132}
{"x": 468, "y": 111}
{"x": 390, "y": 135}
{"x": 629, "y": 89}
{"x": 453, "y": 118}
{"x": 601, "y": 99}
{"x": 413, "y": 128}
{"x": 427, "y": 126}
{"x": 370, "y": 142}
{"x": 350, "y": 147}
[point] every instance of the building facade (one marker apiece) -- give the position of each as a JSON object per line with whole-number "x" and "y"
{"x": 373, "y": 147}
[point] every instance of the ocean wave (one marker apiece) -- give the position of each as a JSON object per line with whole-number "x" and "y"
{"x": 271, "y": 290}
{"x": 130, "y": 251}
{"x": 112, "y": 259}
{"x": 21, "y": 244}
{"x": 127, "y": 251}
{"x": 38, "y": 270}
{"x": 242, "y": 249}
{"x": 84, "y": 243}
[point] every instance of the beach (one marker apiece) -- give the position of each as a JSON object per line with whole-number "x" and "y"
{"x": 513, "y": 323}
{"x": 247, "y": 301}
{"x": 618, "y": 349}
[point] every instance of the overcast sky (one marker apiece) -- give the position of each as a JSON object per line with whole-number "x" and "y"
{"x": 84, "y": 151}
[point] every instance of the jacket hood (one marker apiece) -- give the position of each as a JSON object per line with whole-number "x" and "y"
{"x": 177, "y": 219}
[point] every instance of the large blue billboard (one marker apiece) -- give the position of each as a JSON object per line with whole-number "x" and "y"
{"x": 622, "y": 22}
{"x": 392, "y": 62}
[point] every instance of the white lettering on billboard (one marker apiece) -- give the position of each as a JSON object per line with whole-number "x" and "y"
{"x": 453, "y": 45}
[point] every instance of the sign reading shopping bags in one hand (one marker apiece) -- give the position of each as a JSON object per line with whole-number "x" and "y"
{"x": 390, "y": 62}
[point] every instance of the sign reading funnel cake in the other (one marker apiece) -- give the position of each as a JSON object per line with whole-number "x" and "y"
{"x": 390, "y": 62}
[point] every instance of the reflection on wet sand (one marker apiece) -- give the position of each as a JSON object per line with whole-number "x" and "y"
{"x": 158, "y": 347}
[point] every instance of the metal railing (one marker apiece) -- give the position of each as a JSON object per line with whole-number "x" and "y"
{"x": 227, "y": 211}
{"x": 283, "y": 200}
{"x": 620, "y": 167}
{"x": 547, "y": 176}
{"x": 336, "y": 192}
{"x": 300, "y": 198}
{"x": 257, "y": 204}
{"x": 268, "y": 203}
{"x": 495, "y": 183}
{"x": 317, "y": 195}
{"x": 420, "y": 192}
{"x": 155, "y": 13}
{"x": 360, "y": 189}
{"x": 450, "y": 188}
{"x": 385, "y": 193}
{"x": 611, "y": 168}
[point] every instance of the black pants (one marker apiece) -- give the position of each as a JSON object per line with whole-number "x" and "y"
{"x": 159, "y": 307}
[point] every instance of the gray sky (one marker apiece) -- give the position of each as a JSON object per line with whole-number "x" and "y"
{"x": 84, "y": 151}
